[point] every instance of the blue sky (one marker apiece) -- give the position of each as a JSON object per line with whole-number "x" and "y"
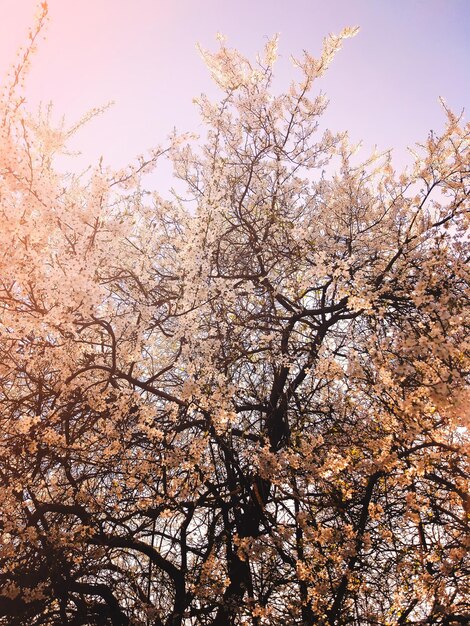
{"x": 383, "y": 87}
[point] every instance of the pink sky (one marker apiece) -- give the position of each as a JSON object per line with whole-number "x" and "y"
{"x": 383, "y": 87}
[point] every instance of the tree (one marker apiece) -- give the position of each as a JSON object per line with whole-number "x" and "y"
{"x": 245, "y": 404}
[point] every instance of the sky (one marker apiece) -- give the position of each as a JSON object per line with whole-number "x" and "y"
{"x": 383, "y": 87}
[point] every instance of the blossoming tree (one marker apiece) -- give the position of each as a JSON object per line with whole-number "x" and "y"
{"x": 246, "y": 404}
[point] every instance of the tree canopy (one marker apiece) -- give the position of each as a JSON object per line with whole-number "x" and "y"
{"x": 244, "y": 402}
